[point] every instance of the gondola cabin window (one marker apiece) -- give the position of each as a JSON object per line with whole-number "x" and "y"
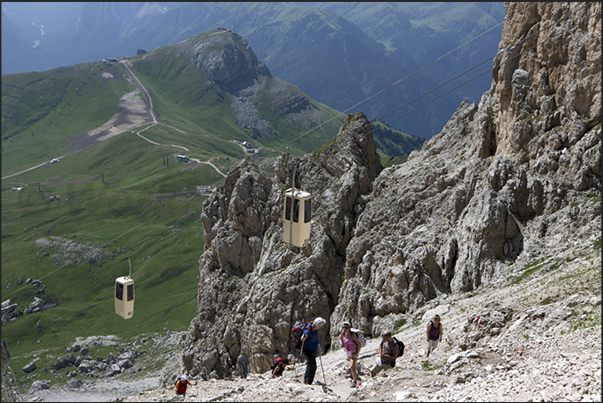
{"x": 297, "y": 217}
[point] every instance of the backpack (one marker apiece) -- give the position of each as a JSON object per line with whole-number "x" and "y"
{"x": 398, "y": 348}
{"x": 275, "y": 363}
{"x": 177, "y": 383}
{"x": 360, "y": 334}
{"x": 296, "y": 333}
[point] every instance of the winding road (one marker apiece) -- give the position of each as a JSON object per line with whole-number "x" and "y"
{"x": 115, "y": 125}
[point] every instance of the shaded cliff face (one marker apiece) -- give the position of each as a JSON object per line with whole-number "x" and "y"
{"x": 506, "y": 182}
{"x": 253, "y": 287}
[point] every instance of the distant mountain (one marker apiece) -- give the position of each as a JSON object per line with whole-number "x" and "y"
{"x": 337, "y": 53}
{"x": 414, "y": 34}
{"x": 215, "y": 82}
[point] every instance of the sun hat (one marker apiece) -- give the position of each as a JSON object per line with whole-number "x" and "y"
{"x": 183, "y": 377}
{"x": 347, "y": 323}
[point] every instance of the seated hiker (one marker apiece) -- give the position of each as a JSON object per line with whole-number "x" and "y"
{"x": 387, "y": 356}
{"x": 181, "y": 385}
{"x": 278, "y": 366}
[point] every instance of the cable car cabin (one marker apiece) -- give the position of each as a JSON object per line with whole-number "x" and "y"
{"x": 124, "y": 297}
{"x": 297, "y": 217}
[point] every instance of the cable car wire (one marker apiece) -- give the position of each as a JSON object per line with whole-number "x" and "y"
{"x": 101, "y": 246}
{"x": 447, "y": 82}
{"x": 474, "y": 67}
{"x": 365, "y": 126}
{"x": 400, "y": 80}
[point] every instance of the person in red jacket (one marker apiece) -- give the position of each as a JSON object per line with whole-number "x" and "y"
{"x": 181, "y": 385}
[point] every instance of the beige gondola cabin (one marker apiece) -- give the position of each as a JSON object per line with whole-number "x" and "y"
{"x": 124, "y": 297}
{"x": 297, "y": 217}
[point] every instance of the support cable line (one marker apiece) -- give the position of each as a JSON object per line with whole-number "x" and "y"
{"x": 476, "y": 66}
{"x": 460, "y": 85}
{"x": 404, "y": 78}
{"x": 370, "y": 124}
{"x": 103, "y": 245}
{"x": 481, "y": 74}
{"x": 400, "y": 80}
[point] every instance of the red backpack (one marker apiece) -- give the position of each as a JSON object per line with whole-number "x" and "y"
{"x": 276, "y": 362}
{"x": 297, "y": 331}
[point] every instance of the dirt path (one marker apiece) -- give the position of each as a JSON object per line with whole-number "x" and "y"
{"x": 539, "y": 354}
{"x": 135, "y": 111}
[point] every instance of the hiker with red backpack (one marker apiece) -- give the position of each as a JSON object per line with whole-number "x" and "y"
{"x": 181, "y": 385}
{"x": 352, "y": 346}
{"x": 278, "y": 366}
{"x": 309, "y": 339}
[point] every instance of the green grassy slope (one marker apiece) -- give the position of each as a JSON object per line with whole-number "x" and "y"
{"x": 139, "y": 210}
{"x": 41, "y": 110}
{"x": 123, "y": 197}
{"x": 393, "y": 142}
{"x": 185, "y": 97}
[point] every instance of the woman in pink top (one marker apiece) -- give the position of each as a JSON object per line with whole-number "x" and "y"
{"x": 352, "y": 347}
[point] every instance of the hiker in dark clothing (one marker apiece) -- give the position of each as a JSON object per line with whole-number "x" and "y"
{"x": 434, "y": 334}
{"x": 310, "y": 347}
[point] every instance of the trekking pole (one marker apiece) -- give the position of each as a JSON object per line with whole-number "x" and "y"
{"x": 299, "y": 360}
{"x": 324, "y": 388}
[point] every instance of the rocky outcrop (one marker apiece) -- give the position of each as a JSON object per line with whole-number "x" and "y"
{"x": 505, "y": 182}
{"x": 227, "y": 59}
{"x": 253, "y": 287}
{"x": 223, "y": 63}
{"x": 511, "y": 180}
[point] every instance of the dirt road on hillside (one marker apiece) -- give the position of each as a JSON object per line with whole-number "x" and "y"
{"x": 134, "y": 110}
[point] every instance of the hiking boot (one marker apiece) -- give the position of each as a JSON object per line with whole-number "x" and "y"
{"x": 427, "y": 353}
{"x": 353, "y": 385}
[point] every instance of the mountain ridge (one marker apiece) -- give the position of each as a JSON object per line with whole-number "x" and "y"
{"x": 479, "y": 202}
{"x": 354, "y": 66}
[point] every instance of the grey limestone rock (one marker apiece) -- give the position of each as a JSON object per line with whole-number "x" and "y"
{"x": 507, "y": 181}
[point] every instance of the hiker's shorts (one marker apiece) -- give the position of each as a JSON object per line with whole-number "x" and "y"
{"x": 351, "y": 354}
{"x": 379, "y": 366}
{"x": 432, "y": 343}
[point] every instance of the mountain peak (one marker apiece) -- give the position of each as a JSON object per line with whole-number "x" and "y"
{"x": 226, "y": 57}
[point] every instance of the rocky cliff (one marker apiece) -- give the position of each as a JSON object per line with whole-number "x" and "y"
{"x": 511, "y": 180}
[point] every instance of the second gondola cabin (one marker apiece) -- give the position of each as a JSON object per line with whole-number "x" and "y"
{"x": 297, "y": 217}
{"x": 124, "y": 297}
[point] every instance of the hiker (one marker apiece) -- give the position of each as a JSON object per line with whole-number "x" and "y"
{"x": 181, "y": 385}
{"x": 434, "y": 334}
{"x": 310, "y": 347}
{"x": 387, "y": 358}
{"x": 278, "y": 366}
{"x": 352, "y": 346}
